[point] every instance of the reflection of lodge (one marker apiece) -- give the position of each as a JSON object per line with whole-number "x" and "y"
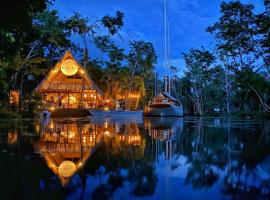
{"x": 67, "y": 146}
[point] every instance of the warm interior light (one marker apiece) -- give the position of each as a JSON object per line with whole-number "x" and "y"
{"x": 69, "y": 67}
{"x": 72, "y": 98}
{"x": 71, "y": 134}
{"x": 85, "y": 95}
{"x": 106, "y": 108}
{"x": 82, "y": 71}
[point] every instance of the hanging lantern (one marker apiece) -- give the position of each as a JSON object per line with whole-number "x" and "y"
{"x": 69, "y": 67}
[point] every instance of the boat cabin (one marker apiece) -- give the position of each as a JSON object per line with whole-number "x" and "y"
{"x": 164, "y": 98}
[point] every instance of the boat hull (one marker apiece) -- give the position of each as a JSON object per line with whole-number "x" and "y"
{"x": 113, "y": 113}
{"x": 163, "y": 110}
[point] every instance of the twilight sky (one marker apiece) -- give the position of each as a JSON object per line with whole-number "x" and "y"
{"x": 144, "y": 20}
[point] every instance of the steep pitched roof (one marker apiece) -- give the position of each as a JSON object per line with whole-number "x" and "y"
{"x": 55, "y": 74}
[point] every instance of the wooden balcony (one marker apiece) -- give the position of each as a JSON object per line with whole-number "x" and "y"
{"x": 58, "y": 87}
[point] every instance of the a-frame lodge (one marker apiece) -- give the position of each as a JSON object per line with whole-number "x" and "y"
{"x": 68, "y": 86}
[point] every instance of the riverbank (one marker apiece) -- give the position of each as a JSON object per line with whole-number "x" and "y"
{"x": 241, "y": 114}
{"x": 10, "y": 114}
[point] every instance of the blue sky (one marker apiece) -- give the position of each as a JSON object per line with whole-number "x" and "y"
{"x": 144, "y": 20}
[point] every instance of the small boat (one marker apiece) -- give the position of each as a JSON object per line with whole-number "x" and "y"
{"x": 163, "y": 105}
{"x": 115, "y": 113}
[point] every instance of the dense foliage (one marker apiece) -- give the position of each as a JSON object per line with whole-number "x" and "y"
{"x": 34, "y": 37}
{"x": 234, "y": 76}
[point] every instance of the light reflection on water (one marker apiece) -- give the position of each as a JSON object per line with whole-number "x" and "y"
{"x": 134, "y": 158}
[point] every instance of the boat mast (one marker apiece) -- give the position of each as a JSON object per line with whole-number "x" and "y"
{"x": 167, "y": 52}
{"x": 165, "y": 45}
{"x": 169, "y": 59}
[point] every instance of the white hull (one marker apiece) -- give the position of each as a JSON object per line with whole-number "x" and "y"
{"x": 114, "y": 113}
{"x": 168, "y": 111}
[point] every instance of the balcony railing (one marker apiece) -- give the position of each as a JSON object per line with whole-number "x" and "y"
{"x": 63, "y": 87}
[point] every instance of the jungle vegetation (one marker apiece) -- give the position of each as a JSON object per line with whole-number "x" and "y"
{"x": 232, "y": 77}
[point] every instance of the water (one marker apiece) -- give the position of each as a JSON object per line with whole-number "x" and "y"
{"x": 132, "y": 158}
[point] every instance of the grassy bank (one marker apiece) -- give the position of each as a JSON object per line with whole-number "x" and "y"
{"x": 8, "y": 114}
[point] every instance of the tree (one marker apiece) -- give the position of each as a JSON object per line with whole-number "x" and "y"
{"x": 141, "y": 60}
{"x": 237, "y": 45}
{"x": 198, "y": 64}
{"x": 262, "y": 21}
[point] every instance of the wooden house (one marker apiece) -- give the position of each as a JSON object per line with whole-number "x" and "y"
{"x": 68, "y": 85}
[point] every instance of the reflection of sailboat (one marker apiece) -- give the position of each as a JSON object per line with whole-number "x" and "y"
{"x": 164, "y": 105}
{"x": 164, "y": 130}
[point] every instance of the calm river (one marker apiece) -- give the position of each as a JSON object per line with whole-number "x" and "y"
{"x": 134, "y": 158}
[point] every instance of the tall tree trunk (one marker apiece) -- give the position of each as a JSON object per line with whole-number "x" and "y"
{"x": 197, "y": 99}
{"x": 228, "y": 89}
{"x": 264, "y": 105}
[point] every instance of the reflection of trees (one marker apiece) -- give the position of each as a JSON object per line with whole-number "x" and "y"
{"x": 235, "y": 154}
{"x": 23, "y": 172}
{"x": 122, "y": 162}
{"x": 248, "y": 164}
{"x": 241, "y": 151}
{"x": 204, "y": 150}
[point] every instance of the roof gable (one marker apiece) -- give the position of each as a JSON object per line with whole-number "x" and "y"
{"x": 56, "y": 73}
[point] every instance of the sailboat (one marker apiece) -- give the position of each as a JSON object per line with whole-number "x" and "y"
{"x": 164, "y": 104}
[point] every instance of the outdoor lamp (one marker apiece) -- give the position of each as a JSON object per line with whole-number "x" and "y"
{"x": 69, "y": 67}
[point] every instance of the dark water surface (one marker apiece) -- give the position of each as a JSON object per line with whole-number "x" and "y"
{"x": 131, "y": 158}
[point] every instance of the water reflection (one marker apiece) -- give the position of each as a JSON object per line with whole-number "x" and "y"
{"x": 131, "y": 158}
{"x": 66, "y": 145}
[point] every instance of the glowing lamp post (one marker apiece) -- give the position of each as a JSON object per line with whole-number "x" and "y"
{"x": 69, "y": 67}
